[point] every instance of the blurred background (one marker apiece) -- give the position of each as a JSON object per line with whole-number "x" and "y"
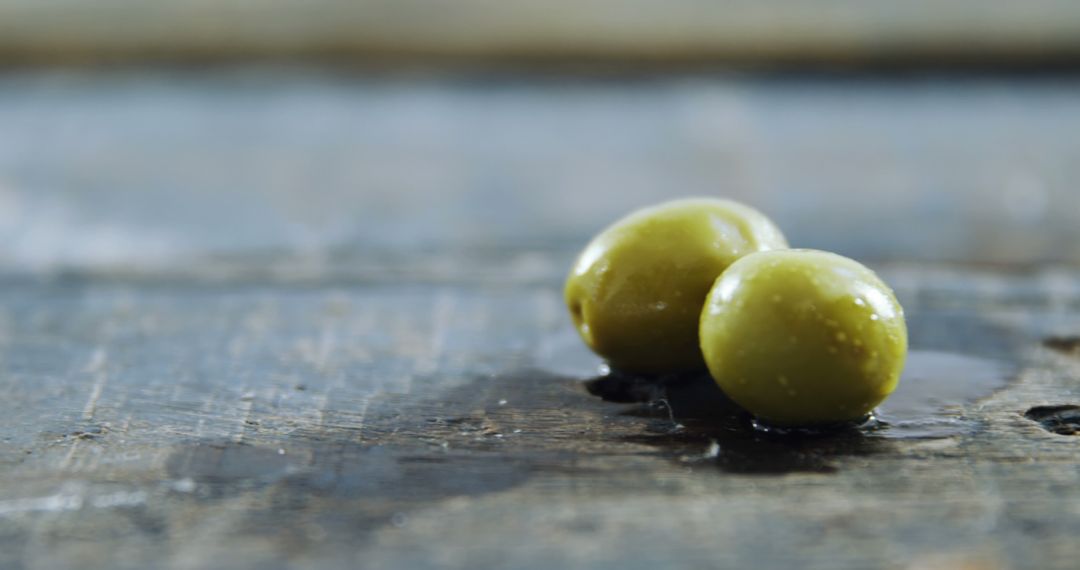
{"x": 317, "y": 137}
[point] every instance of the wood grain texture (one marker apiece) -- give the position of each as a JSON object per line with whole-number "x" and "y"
{"x": 485, "y": 30}
{"x": 431, "y": 425}
{"x": 282, "y": 319}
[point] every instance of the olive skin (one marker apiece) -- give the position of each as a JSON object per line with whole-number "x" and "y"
{"x": 803, "y": 337}
{"x": 636, "y": 292}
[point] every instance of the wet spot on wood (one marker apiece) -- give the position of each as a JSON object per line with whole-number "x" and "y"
{"x": 690, "y": 414}
{"x": 934, "y": 388}
{"x": 405, "y": 454}
{"x": 229, "y": 463}
{"x": 695, "y": 423}
{"x": 625, "y": 388}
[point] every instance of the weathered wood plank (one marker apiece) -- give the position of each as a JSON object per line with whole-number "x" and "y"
{"x": 435, "y": 425}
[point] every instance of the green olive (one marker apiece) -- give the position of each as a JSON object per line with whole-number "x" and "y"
{"x": 803, "y": 337}
{"x": 636, "y": 291}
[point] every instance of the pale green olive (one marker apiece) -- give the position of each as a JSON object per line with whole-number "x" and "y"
{"x": 803, "y": 337}
{"x": 636, "y": 292}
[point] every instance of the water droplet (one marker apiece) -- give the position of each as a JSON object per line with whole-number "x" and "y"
{"x": 782, "y": 380}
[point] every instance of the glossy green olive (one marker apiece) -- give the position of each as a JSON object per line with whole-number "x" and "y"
{"x": 636, "y": 292}
{"x": 802, "y": 337}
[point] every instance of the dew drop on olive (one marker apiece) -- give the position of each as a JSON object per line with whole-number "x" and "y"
{"x": 803, "y": 337}
{"x": 636, "y": 292}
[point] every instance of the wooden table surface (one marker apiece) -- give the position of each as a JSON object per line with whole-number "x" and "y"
{"x": 285, "y": 318}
